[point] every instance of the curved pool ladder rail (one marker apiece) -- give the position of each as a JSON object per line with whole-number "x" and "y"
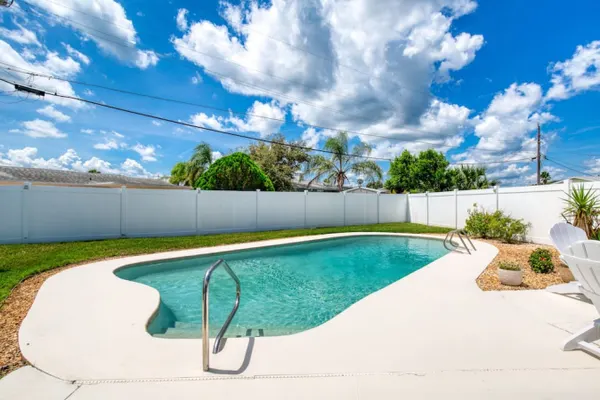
{"x": 461, "y": 234}
{"x": 205, "y": 336}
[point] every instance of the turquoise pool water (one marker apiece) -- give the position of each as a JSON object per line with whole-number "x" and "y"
{"x": 285, "y": 289}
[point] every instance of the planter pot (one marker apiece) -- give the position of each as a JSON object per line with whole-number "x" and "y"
{"x": 510, "y": 278}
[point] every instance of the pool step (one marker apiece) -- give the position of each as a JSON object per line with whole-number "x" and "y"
{"x": 188, "y": 330}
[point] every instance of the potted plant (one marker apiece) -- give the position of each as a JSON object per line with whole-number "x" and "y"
{"x": 510, "y": 273}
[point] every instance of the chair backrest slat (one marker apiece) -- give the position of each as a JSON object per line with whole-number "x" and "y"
{"x": 589, "y": 271}
{"x": 564, "y": 235}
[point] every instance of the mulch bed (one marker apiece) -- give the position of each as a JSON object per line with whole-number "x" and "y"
{"x": 16, "y": 306}
{"x": 519, "y": 253}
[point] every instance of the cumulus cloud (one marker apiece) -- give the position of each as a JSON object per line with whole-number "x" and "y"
{"x": 87, "y": 131}
{"x": 92, "y": 16}
{"x": 40, "y": 129}
{"x": 311, "y": 137}
{"x": 53, "y": 64}
{"x": 403, "y": 46}
{"x": 593, "y": 166}
{"x": 148, "y": 153}
{"x": 51, "y": 112}
{"x": 110, "y": 144}
{"x": 216, "y": 155}
{"x": 202, "y": 119}
{"x": 70, "y": 160}
{"x": 577, "y": 74}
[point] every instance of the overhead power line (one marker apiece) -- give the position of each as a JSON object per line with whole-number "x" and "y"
{"x": 30, "y": 89}
{"x": 206, "y": 106}
{"x": 569, "y": 168}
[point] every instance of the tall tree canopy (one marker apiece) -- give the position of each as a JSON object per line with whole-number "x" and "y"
{"x": 188, "y": 172}
{"x": 278, "y": 161}
{"x": 335, "y": 168}
{"x": 431, "y": 171}
{"x": 545, "y": 177}
{"x": 234, "y": 172}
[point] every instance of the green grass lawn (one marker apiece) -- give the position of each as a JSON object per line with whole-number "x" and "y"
{"x": 20, "y": 261}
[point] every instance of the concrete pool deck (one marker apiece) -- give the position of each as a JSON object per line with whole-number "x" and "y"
{"x": 432, "y": 332}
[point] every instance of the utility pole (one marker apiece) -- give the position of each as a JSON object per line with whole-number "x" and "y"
{"x": 539, "y": 155}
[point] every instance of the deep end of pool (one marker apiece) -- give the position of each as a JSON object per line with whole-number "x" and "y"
{"x": 285, "y": 289}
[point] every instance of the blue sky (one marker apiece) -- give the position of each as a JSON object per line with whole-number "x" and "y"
{"x": 471, "y": 79}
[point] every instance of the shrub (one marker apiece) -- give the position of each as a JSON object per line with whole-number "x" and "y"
{"x": 509, "y": 266}
{"x": 496, "y": 225}
{"x": 234, "y": 172}
{"x": 541, "y": 261}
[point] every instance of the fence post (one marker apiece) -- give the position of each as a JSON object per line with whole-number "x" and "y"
{"x": 378, "y": 208}
{"x": 198, "y": 191}
{"x": 257, "y": 196}
{"x": 497, "y": 197}
{"x": 427, "y": 202}
{"x": 455, "y": 208}
{"x": 344, "y": 193}
{"x": 407, "y": 212}
{"x": 305, "y": 201}
{"x": 24, "y": 212}
{"x": 123, "y": 211}
{"x": 567, "y": 184}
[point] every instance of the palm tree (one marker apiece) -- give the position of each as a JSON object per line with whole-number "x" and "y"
{"x": 545, "y": 177}
{"x": 335, "y": 169}
{"x": 199, "y": 162}
{"x": 468, "y": 177}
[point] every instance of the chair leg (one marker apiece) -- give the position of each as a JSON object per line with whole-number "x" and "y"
{"x": 583, "y": 339}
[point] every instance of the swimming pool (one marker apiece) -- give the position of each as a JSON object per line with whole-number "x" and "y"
{"x": 285, "y": 289}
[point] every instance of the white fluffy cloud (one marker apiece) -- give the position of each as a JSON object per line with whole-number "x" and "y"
{"x": 40, "y": 129}
{"x": 53, "y": 64}
{"x": 21, "y": 35}
{"x": 311, "y": 137}
{"x": 577, "y": 74}
{"x": 364, "y": 65}
{"x": 202, "y": 119}
{"x": 91, "y": 16}
{"x": 70, "y": 160}
{"x": 51, "y": 112}
{"x": 109, "y": 144}
{"x": 77, "y": 54}
{"x": 181, "y": 19}
{"x": 148, "y": 153}
{"x": 593, "y": 166}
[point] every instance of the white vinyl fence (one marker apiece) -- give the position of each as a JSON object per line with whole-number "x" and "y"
{"x": 30, "y": 214}
{"x": 541, "y": 206}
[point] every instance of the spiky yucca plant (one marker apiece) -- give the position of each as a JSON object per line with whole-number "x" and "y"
{"x": 583, "y": 206}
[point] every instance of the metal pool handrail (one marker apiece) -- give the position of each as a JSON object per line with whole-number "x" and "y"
{"x": 461, "y": 234}
{"x": 205, "y": 337}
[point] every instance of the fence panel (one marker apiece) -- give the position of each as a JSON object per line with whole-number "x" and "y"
{"x": 361, "y": 209}
{"x": 11, "y": 208}
{"x": 442, "y": 209}
{"x": 58, "y": 213}
{"x": 280, "y": 210}
{"x": 485, "y": 199}
{"x": 418, "y": 208}
{"x": 539, "y": 205}
{"x": 160, "y": 212}
{"x": 393, "y": 208}
{"x": 324, "y": 209}
{"x": 222, "y": 211}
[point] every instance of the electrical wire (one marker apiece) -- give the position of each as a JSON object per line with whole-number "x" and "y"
{"x": 158, "y": 118}
{"x": 569, "y": 168}
{"x": 31, "y": 73}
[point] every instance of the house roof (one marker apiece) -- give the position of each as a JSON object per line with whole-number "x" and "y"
{"x": 52, "y": 176}
{"x": 317, "y": 186}
{"x": 366, "y": 190}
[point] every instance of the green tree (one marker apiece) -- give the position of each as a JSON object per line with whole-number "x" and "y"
{"x": 335, "y": 169}
{"x": 431, "y": 172}
{"x": 179, "y": 174}
{"x": 278, "y": 161}
{"x": 94, "y": 171}
{"x": 545, "y": 177}
{"x": 234, "y": 172}
{"x": 467, "y": 177}
{"x": 199, "y": 162}
{"x": 401, "y": 174}
{"x": 375, "y": 185}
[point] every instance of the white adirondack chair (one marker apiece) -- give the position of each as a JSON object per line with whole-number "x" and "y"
{"x": 585, "y": 264}
{"x": 563, "y": 235}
